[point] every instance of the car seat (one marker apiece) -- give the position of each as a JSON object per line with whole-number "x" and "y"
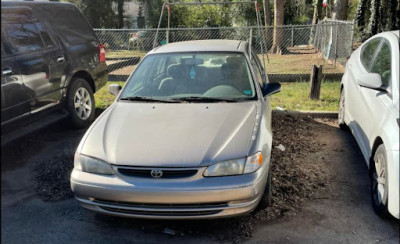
{"x": 173, "y": 84}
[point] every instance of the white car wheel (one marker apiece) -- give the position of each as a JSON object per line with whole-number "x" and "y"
{"x": 342, "y": 123}
{"x": 379, "y": 182}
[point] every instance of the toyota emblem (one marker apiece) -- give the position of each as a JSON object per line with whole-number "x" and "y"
{"x": 156, "y": 173}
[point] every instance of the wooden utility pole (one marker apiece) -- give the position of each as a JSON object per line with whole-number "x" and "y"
{"x": 315, "y": 82}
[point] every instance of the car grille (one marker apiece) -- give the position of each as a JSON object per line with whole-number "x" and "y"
{"x": 166, "y": 173}
{"x": 196, "y": 209}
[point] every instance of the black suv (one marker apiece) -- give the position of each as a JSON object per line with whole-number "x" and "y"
{"x": 51, "y": 64}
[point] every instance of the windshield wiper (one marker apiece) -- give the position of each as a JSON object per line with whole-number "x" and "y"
{"x": 148, "y": 99}
{"x": 205, "y": 99}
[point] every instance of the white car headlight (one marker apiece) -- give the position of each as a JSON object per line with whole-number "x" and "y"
{"x": 91, "y": 165}
{"x": 235, "y": 166}
{"x": 230, "y": 167}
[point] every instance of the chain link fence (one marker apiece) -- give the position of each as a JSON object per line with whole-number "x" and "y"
{"x": 299, "y": 47}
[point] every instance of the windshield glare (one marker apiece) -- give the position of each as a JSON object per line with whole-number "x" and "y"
{"x": 183, "y": 75}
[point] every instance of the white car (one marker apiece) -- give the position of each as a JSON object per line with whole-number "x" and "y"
{"x": 369, "y": 106}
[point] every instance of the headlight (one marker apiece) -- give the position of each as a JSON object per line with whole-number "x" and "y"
{"x": 91, "y": 165}
{"x": 230, "y": 167}
{"x": 236, "y": 166}
{"x": 253, "y": 163}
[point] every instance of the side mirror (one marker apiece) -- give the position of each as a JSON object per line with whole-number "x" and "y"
{"x": 270, "y": 88}
{"x": 370, "y": 80}
{"x": 114, "y": 89}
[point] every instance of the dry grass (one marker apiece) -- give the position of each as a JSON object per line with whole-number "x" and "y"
{"x": 298, "y": 64}
{"x": 125, "y": 53}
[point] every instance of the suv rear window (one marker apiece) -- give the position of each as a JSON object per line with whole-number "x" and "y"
{"x": 70, "y": 23}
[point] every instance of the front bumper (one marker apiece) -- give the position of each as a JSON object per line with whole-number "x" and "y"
{"x": 196, "y": 197}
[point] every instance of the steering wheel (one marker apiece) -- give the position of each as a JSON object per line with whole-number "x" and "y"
{"x": 222, "y": 91}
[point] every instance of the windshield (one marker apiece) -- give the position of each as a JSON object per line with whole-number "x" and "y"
{"x": 194, "y": 77}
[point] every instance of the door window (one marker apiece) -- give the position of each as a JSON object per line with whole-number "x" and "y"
{"x": 368, "y": 52}
{"x": 46, "y": 37}
{"x": 22, "y": 32}
{"x": 258, "y": 68}
{"x": 382, "y": 64}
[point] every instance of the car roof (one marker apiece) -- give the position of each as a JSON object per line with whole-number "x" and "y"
{"x": 396, "y": 32}
{"x": 202, "y": 46}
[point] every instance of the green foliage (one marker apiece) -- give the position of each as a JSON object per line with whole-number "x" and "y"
{"x": 376, "y": 16}
{"x": 99, "y": 13}
{"x": 201, "y": 15}
{"x": 352, "y": 9}
{"x": 298, "y": 11}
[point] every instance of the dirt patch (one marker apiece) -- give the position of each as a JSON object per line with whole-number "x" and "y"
{"x": 52, "y": 175}
{"x": 52, "y": 178}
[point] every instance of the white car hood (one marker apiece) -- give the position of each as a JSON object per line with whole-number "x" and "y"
{"x": 170, "y": 134}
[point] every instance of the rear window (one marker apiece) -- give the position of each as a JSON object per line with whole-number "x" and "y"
{"x": 69, "y": 22}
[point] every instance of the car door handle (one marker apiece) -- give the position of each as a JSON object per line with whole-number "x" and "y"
{"x": 60, "y": 59}
{"x": 6, "y": 71}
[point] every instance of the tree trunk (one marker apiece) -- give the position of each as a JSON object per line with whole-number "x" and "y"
{"x": 340, "y": 9}
{"x": 278, "y": 32}
{"x": 120, "y": 13}
{"x": 267, "y": 13}
{"x": 317, "y": 11}
{"x": 316, "y": 16}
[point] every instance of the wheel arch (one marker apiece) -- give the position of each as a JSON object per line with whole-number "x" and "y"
{"x": 86, "y": 76}
{"x": 378, "y": 141}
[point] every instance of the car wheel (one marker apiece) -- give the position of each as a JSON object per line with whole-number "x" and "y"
{"x": 342, "y": 123}
{"x": 80, "y": 103}
{"x": 379, "y": 182}
{"x": 267, "y": 196}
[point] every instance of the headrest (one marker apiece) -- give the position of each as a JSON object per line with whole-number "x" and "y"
{"x": 227, "y": 70}
{"x": 234, "y": 60}
{"x": 177, "y": 71}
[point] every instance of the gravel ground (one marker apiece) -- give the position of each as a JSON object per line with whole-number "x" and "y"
{"x": 301, "y": 174}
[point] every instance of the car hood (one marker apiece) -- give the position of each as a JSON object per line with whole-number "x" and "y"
{"x": 171, "y": 135}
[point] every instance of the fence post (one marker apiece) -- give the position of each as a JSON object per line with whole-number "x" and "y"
{"x": 315, "y": 82}
{"x": 292, "y": 35}
{"x": 169, "y": 24}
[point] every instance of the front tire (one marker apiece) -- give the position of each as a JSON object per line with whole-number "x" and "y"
{"x": 379, "y": 182}
{"x": 341, "y": 112}
{"x": 266, "y": 198}
{"x": 80, "y": 103}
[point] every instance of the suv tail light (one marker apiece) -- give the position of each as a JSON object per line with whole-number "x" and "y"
{"x": 102, "y": 53}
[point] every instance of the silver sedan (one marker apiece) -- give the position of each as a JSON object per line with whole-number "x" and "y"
{"x": 189, "y": 136}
